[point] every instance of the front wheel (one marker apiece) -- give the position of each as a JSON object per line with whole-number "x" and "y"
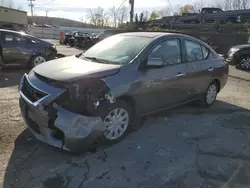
{"x": 210, "y": 95}
{"x": 244, "y": 62}
{"x": 36, "y": 60}
{"x": 117, "y": 118}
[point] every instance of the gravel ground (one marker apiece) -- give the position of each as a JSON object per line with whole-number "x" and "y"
{"x": 187, "y": 147}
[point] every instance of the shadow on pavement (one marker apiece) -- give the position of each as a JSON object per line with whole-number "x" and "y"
{"x": 11, "y": 76}
{"x": 240, "y": 69}
{"x": 31, "y": 160}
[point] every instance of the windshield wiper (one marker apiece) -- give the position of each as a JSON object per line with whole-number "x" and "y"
{"x": 100, "y": 60}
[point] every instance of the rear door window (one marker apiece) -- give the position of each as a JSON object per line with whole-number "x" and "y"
{"x": 194, "y": 51}
{"x": 21, "y": 40}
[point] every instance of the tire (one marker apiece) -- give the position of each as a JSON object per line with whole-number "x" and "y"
{"x": 33, "y": 61}
{"x": 244, "y": 62}
{"x": 205, "y": 101}
{"x": 105, "y": 112}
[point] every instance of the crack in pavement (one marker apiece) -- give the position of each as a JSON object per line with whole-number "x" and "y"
{"x": 226, "y": 185}
{"x": 86, "y": 164}
{"x": 236, "y": 156}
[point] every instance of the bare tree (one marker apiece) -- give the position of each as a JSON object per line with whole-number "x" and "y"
{"x": 198, "y": 5}
{"x": 10, "y": 4}
{"x": 232, "y": 4}
{"x": 227, "y": 5}
{"x": 177, "y": 8}
{"x": 19, "y": 7}
{"x": 219, "y": 4}
{"x": 245, "y": 4}
{"x": 81, "y": 18}
{"x": 123, "y": 14}
{"x": 113, "y": 12}
{"x": 97, "y": 16}
{"x": 164, "y": 12}
{"x": 236, "y": 4}
{"x": 240, "y": 4}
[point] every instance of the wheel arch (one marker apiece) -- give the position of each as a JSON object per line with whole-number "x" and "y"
{"x": 131, "y": 102}
{"x": 232, "y": 19}
{"x": 217, "y": 81}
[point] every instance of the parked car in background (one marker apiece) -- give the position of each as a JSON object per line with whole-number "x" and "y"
{"x": 68, "y": 38}
{"x": 82, "y": 40}
{"x": 239, "y": 56}
{"x": 71, "y": 102}
{"x": 19, "y": 48}
{"x": 212, "y": 14}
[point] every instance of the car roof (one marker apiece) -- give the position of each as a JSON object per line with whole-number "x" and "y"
{"x": 151, "y": 34}
{"x": 17, "y": 32}
{"x": 155, "y": 35}
{"x": 10, "y": 31}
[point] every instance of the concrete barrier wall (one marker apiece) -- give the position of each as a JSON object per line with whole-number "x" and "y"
{"x": 45, "y": 33}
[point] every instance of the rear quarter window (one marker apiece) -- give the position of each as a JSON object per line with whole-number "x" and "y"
{"x": 194, "y": 51}
{"x": 205, "y": 52}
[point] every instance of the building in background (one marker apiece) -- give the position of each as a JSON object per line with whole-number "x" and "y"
{"x": 13, "y": 19}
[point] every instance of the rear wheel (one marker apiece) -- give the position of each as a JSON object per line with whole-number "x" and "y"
{"x": 210, "y": 95}
{"x": 244, "y": 62}
{"x": 117, "y": 118}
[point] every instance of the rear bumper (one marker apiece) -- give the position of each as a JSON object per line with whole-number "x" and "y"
{"x": 58, "y": 127}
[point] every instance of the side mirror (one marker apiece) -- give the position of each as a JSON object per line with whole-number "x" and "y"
{"x": 154, "y": 62}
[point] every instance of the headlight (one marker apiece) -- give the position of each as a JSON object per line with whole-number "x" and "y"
{"x": 54, "y": 46}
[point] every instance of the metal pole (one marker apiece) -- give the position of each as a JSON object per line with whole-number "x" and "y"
{"x": 132, "y": 4}
{"x": 31, "y": 8}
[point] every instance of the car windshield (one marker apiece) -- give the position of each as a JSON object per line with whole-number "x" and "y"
{"x": 118, "y": 49}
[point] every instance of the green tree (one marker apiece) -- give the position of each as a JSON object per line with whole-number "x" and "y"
{"x": 187, "y": 9}
{"x": 153, "y": 16}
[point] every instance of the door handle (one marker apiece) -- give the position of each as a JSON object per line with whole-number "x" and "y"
{"x": 180, "y": 74}
{"x": 211, "y": 69}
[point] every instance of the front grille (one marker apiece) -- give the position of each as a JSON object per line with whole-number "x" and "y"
{"x": 30, "y": 92}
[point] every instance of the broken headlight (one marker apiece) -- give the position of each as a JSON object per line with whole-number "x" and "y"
{"x": 84, "y": 96}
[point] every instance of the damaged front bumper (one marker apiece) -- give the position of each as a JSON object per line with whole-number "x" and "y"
{"x": 53, "y": 124}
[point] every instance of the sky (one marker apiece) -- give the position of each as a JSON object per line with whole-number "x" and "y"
{"x": 75, "y": 9}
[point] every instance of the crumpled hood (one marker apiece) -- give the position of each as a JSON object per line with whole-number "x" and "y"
{"x": 71, "y": 68}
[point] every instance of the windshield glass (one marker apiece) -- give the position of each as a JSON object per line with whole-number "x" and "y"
{"x": 118, "y": 49}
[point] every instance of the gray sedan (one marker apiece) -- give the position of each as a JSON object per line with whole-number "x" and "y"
{"x": 98, "y": 95}
{"x": 18, "y": 48}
